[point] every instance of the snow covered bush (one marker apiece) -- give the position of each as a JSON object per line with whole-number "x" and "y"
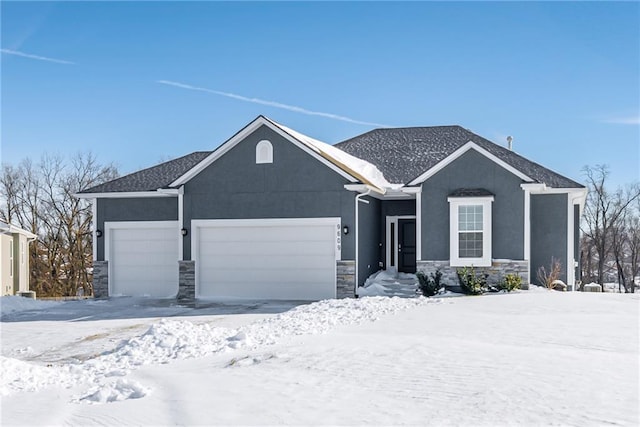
{"x": 510, "y": 282}
{"x": 430, "y": 285}
{"x": 470, "y": 282}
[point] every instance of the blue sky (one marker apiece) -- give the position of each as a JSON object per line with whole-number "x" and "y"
{"x": 562, "y": 78}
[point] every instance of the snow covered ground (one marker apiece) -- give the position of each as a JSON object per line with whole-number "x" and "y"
{"x": 526, "y": 358}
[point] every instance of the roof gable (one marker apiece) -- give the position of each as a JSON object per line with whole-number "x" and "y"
{"x": 459, "y": 152}
{"x": 341, "y": 162}
{"x": 404, "y": 154}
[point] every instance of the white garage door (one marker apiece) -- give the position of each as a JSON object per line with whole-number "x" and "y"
{"x": 267, "y": 259}
{"x": 143, "y": 258}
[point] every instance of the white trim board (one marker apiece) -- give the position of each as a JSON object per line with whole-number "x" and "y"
{"x": 240, "y": 136}
{"x": 94, "y": 228}
{"x": 126, "y": 194}
{"x": 459, "y": 152}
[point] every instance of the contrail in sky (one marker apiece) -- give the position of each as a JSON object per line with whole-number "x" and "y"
{"x": 271, "y": 103}
{"x": 38, "y": 57}
{"x": 629, "y": 120}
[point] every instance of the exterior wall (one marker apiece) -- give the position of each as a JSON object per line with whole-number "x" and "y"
{"x": 21, "y": 260}
{"x": 473, "y": 170}
{"x": 369, "y": 238}
{"x": 295, "y": 185}
{"x": 498, "y": 270}
{"x": 548, "y": 232}
{"x": 5, "y": 266}
{"x": 19, "y": 280}
{"x": 134, "y": 209}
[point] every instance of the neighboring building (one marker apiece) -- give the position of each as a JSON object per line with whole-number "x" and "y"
{"x": 14, "y": 258}
{"x": 274, "y": 214}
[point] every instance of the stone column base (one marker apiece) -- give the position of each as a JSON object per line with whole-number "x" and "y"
{"x": 345, "y": 278}
{"x": 186, "y": 280}
{"x": 101, "y": 279}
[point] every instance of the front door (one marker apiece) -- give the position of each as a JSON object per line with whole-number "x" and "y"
{"x": 407, "y": 245}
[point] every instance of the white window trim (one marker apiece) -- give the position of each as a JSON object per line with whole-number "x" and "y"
{"x": 266, "y": 156}
{"x": 454, "y": 257}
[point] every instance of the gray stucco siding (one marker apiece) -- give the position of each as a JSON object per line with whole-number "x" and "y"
{"x": 548, "y": 232}
{"x": 295, "y": 185}
{"x": 474, "y": 170}
{"x": 369, "y": 238}
{"x": 134, "y": 209}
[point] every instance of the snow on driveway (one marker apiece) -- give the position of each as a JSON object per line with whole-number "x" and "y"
{"x": 530, "y": 358}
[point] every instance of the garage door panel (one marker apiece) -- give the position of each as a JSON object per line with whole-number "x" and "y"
{"x": 143, "y": 259}
{"x": 267, "y": 234}
{"x": 263, "y": 275}
{"x": 271, "y": 261}
{"x": 146, "y": 234}
{"x": 271, "y": 291}
{"x": 290, "y": 260}
{"x": 260, "y": 248}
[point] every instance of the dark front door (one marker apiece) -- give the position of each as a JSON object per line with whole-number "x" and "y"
{"x": 407, "y": 245}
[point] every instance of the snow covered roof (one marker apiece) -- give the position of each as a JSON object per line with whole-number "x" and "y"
{"x": 367, "y": 172}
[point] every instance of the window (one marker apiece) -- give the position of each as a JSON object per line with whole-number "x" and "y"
{"x": 22, "y": 252}
{"x": 470, "y": 231}
{"x": 264, "y": 152}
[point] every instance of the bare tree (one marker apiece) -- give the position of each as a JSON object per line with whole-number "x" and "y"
{"x": 41, "y": 199}
{"x": 604, "y": 216}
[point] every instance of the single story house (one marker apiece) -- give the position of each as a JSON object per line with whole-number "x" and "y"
{"x": 14, "y": 258}
{"x": 274, "y": 214}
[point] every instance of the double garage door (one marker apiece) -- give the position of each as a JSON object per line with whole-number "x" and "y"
{"x": 266, "y": 258}
{"x": 254, "y": 259}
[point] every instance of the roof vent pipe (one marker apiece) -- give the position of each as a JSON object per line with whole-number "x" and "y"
{"x": 509, "y": 142}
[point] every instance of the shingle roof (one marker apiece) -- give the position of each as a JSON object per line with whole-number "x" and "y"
{"x": 403, "y": 154}
{"x": 152, "y": 178}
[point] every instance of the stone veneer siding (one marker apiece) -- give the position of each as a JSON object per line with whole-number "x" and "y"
{"x": 100, "y": 279}
{"x": 345, "y": 279}
{"x": 186, "y": 280}
{"x": 498, "y": 269}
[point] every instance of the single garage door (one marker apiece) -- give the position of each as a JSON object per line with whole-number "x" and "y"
{"x": 143, "y": 258}
{"x": 267, "y": 259}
